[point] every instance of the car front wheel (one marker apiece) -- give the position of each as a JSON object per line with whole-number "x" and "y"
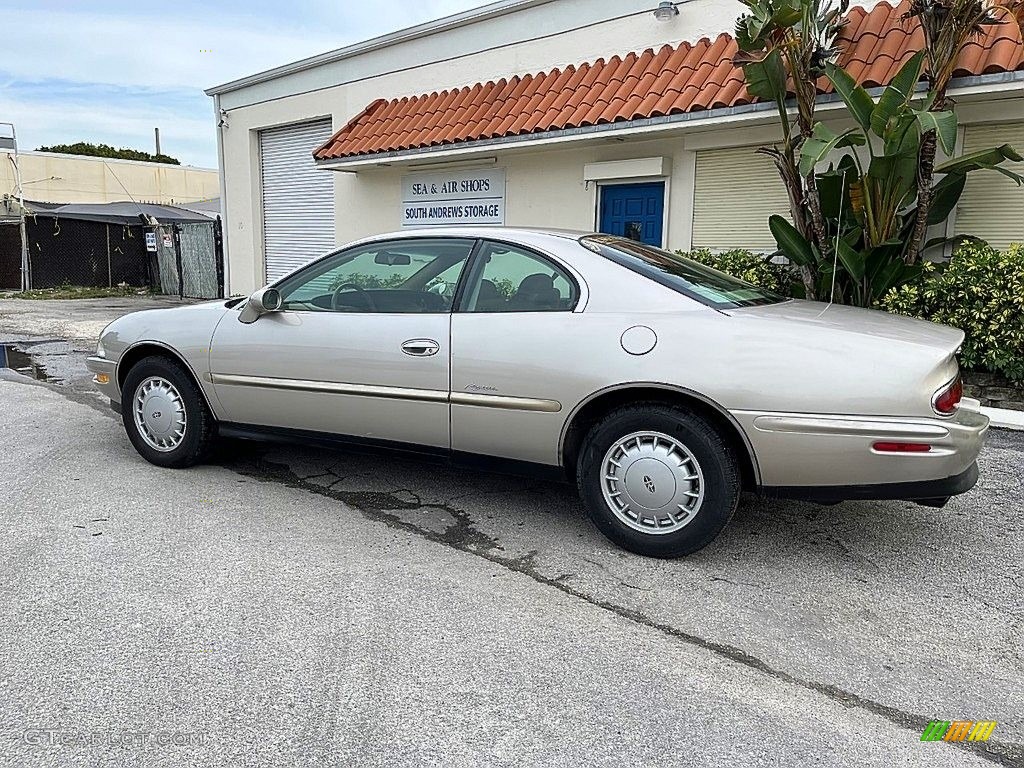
{"x": 164, "y": 413}
{"x": 658, "y": 479}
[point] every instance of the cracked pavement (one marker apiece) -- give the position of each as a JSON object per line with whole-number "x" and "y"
{"x": 300, "y": 606}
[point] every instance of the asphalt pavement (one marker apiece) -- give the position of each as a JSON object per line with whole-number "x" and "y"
{"x": 282, "y": 606}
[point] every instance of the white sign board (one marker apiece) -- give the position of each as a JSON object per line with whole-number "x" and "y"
{"x": 151, "y": 241}
{"x": 453, "y": 197}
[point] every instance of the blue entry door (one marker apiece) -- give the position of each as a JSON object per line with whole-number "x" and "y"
{"x": 636, "y": 211}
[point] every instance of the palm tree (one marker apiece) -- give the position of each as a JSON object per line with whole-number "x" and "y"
{"x": 948, "y": 26}
{"x": 784, "y": 46}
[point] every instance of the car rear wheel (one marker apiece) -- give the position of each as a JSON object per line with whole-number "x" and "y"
{"x": 164, "y": 413}
{"x": 658, "y": 480}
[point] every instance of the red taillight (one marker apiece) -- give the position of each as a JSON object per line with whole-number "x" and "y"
{"x": 902, "y": 447}
{"x": 946, "y": 400}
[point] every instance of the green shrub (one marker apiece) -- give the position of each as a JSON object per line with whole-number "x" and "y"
{"x": 751, "y": 267}
{"x": 105, "y": 150}
{"x": 981, "y": 291}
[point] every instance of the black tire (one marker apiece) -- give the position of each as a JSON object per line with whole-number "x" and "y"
{"x": 717, "y": 461}
{"x": 200, "y": 425}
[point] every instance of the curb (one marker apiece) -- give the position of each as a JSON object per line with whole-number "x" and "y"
{"x": 1005, "y": 418}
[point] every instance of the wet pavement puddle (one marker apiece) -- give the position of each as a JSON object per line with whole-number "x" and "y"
{"x": 56, "y": 363}
{"x": 20, "y": 361}
{"x": 35, "y": 358}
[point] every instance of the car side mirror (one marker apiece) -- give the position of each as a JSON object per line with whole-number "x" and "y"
{"x": 260, "y": 303}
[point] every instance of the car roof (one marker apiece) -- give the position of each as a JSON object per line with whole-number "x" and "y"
{"x": 478, "y": 232}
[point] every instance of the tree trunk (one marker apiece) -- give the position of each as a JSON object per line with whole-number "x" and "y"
{"x": 817, "y": 217}
{"x": 790, "y": 174}
{"x": 925, "y": 174}
{"x": 810, "y": 284}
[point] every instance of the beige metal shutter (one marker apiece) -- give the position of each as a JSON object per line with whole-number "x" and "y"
{"x": 736, "y": 190}
{"x": 298, "y": 197}
{"x": 992, "y": 206}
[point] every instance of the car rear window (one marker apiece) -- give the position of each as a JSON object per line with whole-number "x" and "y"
{"x": 690, "y": 278}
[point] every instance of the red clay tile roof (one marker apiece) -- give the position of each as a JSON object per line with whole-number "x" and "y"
{"x": 687, "y": 78}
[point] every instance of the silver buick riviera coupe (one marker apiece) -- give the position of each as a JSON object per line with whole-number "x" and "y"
{"x": 662, "y": 388}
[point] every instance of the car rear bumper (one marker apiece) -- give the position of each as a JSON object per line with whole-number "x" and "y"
{"x": 922, "y": 490}
{"x": 832, "y": 456}
{"x": 104, "y": 376}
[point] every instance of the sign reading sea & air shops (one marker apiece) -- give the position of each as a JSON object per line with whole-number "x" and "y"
{"x": 453, "y": 197}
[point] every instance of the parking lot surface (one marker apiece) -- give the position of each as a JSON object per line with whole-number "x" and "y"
{"x": 288, "y": 606}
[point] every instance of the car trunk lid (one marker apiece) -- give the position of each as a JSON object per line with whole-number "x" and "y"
{"x": 863, "y": 322}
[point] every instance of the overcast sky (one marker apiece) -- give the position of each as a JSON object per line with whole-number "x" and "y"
{"x": 108, "y": 72}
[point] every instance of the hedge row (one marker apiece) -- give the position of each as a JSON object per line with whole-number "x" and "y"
{"x": 980, "y": 290}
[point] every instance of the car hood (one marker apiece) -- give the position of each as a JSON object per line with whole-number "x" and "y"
{"x": 182, "y": 312}
{"x": 854, "y": 320}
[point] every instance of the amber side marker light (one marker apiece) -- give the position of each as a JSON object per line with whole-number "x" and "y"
{"x": 102, "y": 378}
{"x": 902, "y": 447}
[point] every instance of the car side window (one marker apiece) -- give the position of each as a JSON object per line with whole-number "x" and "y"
{"x": 395, "y": 276}
{"x": 508, "y": 278}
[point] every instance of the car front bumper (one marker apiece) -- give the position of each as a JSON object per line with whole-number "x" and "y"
{"x": 830, "y": 457}
{"x": 105, "y": 377}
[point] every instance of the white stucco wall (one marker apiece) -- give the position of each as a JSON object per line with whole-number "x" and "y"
{"x": 543, "y": 189}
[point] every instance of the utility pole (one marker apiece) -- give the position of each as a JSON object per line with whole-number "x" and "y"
{"x": 156, "y": 133}
{"x": 11, "y": 142}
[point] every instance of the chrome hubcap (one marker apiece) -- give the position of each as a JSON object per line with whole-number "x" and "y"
{"x": 160, "y": 414}
{"x": 652, "y": 482}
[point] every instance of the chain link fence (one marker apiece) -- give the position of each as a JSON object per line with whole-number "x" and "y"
{"x": 185, "y": 259}
{"x": 10, "y": 256}
{"x": 189, "y": 260}
{"x": 87, "y": 253}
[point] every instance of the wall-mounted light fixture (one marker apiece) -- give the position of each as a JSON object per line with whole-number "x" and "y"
{"x": 666, "y": 11}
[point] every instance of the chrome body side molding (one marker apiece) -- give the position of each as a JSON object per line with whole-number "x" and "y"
{"x": 394, "y": 393}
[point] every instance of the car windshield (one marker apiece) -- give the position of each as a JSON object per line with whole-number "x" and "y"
{"x": 690, "y": 278}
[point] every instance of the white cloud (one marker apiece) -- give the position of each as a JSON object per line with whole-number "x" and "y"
{"x": 189, "y": 49}
{"x": 122, "y": 50}
{"x": 110, "y": 71}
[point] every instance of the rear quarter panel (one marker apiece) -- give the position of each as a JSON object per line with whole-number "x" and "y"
{"x": 739, "y": 365}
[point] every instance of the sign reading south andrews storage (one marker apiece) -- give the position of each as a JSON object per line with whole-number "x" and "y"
{"x": 453, "y": 197}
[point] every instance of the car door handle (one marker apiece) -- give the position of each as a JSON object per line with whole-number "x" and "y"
{"x": 421, "y": 347}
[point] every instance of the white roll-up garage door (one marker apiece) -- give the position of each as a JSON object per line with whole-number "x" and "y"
{"x": 992, "y": 206}
{"x": 298, "y": 197}
{"x": 735, "y": 191}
